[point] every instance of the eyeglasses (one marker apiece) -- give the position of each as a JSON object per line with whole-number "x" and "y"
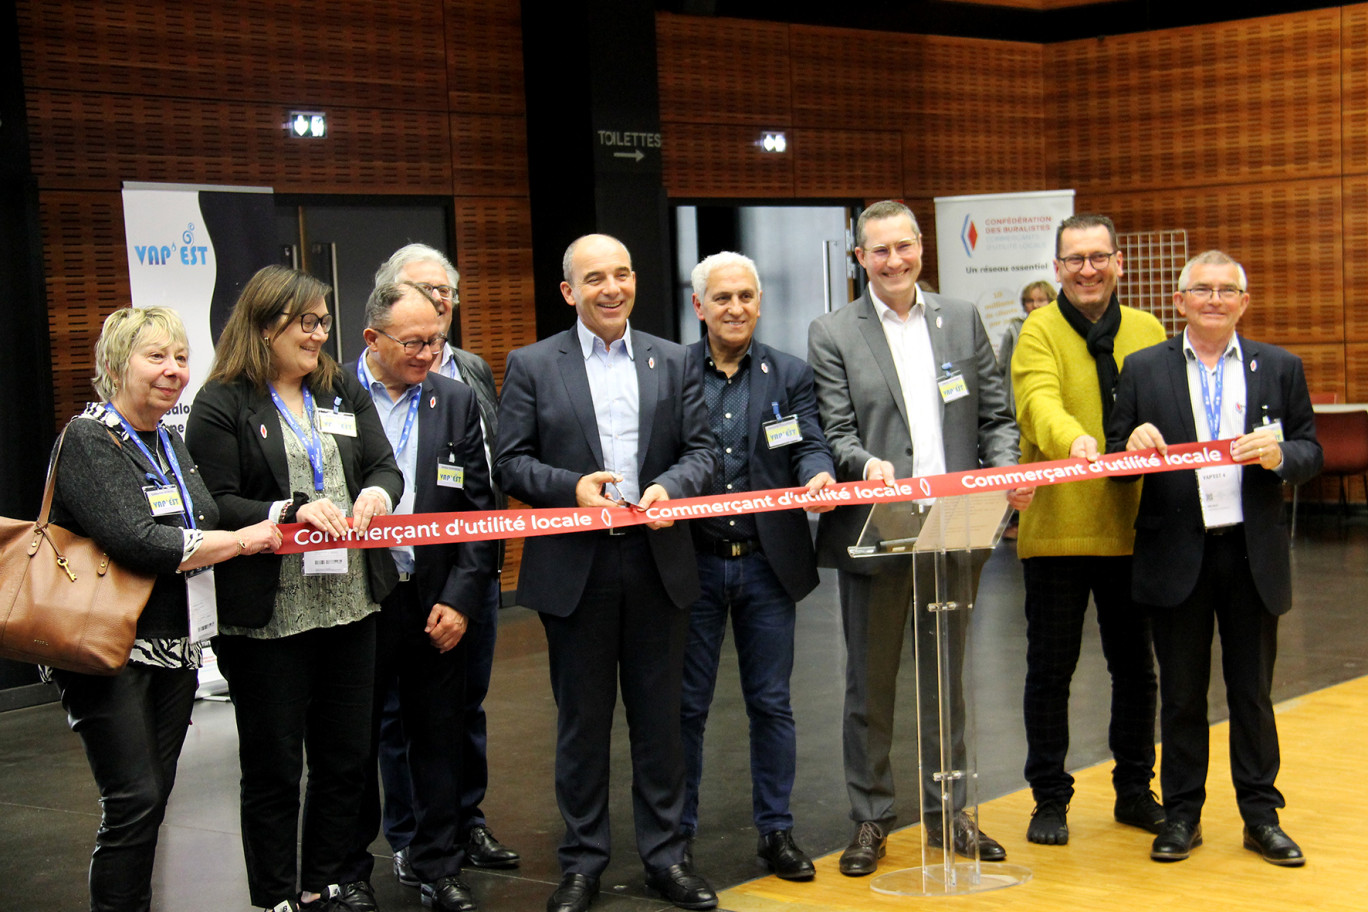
{"x": 1074, "y": 261}
{"x": 414, "y": 346}
{"x": 445, "y": 292}
{"x": 1227, "y": 293}
{"x": 310, "y": 322}
{"x": 904, "y": 249}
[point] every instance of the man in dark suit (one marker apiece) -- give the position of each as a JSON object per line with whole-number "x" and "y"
{"x": 763, "y": 414}
{"x": 430, "y": 270}
{"x": 433, "y": 425}
{"x": 906, "y": 384}
{"x": 602, "y": 416}
{"x": 1211, "y": 546}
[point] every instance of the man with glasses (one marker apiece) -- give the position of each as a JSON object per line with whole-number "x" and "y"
{"x": 907, "y": 384}
{"x": 433, "y": 425}
{"x": 432, "y": 273}
{"x": 1211, "y": 545}
{"x": 1077, "y": 540}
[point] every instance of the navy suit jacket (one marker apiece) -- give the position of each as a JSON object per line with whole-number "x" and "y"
{"x": 453, "y": 573}
{"x": 785, "y": 537}
{"x": 548, "y": 440}
{"x": 1169, "y": 531}
{"x": 234, "y": 434}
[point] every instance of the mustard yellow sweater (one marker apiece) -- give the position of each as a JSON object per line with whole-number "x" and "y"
{"x": 1057, "y": 400}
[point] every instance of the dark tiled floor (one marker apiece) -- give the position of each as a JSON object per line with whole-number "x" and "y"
{"x": 49, "y": 808}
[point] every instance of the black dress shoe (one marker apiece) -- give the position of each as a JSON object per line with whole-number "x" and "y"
{"x": 1176, "y": 840}
{"x": 778, "y": 852}
{"x": 356, "y": 896}
{"x": 403, "y": 871}
{"x": 449, "y": 894}
{"x": 866, "y": 847}
{"x": 1274, "y": 845}
{"x": 967, "y": 836}
{"x": 574, "y": 894}
{"x": 484, "y": 851}
{"x": 1143, "y": 811}
{"x": 682, "y": 887}
{"x": 1049, "y": 824}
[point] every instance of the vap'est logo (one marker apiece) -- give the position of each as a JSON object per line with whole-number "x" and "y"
{"x": 187, "y": 251}
{"x": 969, "y": 235}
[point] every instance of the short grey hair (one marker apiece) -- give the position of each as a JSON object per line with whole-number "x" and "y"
{"x": 703, "y": 272}
{"x": 1212, "y": 258}
{"x": 567, "y": 260}
{"x": 388, "y": 273}
{"x": 123, "y": 331}
{"x": 884, "y": 209}
{"x": 380, "y": 304}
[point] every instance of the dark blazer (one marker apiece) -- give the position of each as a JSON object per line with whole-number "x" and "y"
{"x": 475, "y": 371}
{"x": 548, "y": 440}
{"x": 453, "y": 573}
{"x": 1169, "y": 532}
{"x": 785, "y": 537}
{"x": 234, "y": 434}
{"x": 864, "y": 416}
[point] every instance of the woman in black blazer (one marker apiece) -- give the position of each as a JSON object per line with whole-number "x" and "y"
{"x": 280, "y": 432}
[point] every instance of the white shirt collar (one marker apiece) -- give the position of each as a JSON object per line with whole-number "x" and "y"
{"x": 1232, "y": 349}
{"x": 887, "y": 313}
{"x": 587, "y": 339}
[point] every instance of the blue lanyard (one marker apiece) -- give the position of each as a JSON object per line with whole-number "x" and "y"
{"x": 313, "y": 444}
{"x": 156, "y": 467}
{"x": 1211, "y": 403}
{"x": 417, "y": 395}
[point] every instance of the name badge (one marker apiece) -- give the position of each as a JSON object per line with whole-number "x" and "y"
{"x": 333, "y": 560}
{"x": 1218, "y": 489}
{"x": 952, "y": 387}
{"x": 340, "y": 423}
{"x": 199, "y": 591}
{"x": 1275, "y": 427}
{"x": 783, "y": 431}
{"x": 450, "y": 476}
{"x": 165, "y": 500}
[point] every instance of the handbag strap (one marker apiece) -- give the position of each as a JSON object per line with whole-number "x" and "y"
{"x": 51, "y": 480}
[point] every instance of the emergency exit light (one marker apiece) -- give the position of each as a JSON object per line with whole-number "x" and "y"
{"x": 307, "y": 124}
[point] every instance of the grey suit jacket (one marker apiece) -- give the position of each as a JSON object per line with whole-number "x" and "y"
{"x": 548, "y": 440}
{"x": 864, "y": 417}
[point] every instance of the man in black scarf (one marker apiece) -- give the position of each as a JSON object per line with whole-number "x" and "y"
{"x": 1078, "y": 539}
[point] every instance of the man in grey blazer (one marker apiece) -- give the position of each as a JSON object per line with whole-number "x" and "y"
{"x": 906, "y": 385}
{"x": 606, "y": 417}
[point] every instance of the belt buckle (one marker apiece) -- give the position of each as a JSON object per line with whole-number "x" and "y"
{"x": 736, "y": 549}
{"x": 616, "y": 531}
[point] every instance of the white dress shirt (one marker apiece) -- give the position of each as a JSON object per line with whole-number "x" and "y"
{"x": 910, "y": 343}
{"x": 613, "y": 386}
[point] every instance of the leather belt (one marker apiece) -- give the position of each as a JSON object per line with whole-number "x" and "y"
{"x": 720, "y": 547}
{"x": 405, "y": 577}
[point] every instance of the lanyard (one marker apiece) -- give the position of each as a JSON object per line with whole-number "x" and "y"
{"x": 1212, "y": 403}
{"x": 156, "y": 467}
{"x": 313, "y": 444}
{"x": 416, "y": 396}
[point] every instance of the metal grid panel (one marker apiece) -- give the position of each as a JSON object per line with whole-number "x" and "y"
{"x": 1153, "y": 261}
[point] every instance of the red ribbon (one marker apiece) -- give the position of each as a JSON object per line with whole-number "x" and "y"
{"x": 417, "y": 529}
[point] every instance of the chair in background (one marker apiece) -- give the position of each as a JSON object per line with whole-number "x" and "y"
{"x": 1324, "y": 398}
{"x": 1344, "y": 438}
{"x": 1330, "y": 398}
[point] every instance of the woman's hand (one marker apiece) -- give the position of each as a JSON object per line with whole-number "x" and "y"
{"x": 324, "y": 516}
{"x": 262, "y": 536}
{"x": 367, "y": 507}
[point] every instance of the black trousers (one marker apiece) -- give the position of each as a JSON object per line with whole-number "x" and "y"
{"x": 132, "y": 725}
{"x": 1225, "y": 596}
{"x": 624, "y": 626}
{"x": 431, "y": 689}
{"x": 308, "y": 692}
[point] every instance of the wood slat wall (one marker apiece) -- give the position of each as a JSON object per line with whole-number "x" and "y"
{"x": 1251, "y": 135}
{"x": 424, "y": 97}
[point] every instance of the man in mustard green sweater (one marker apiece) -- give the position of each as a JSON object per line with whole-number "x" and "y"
{"x": 1078, "y": 539}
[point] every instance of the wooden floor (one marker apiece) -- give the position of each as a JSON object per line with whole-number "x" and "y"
{"x": 1106, "y": 866}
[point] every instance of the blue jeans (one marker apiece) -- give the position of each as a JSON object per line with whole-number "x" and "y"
{"x": 762, "y": 622}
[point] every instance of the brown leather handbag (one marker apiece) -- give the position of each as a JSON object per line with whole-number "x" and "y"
{"x": 63, "y": 601}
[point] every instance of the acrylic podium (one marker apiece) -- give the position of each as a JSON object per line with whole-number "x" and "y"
{"x": 947, "y": 540}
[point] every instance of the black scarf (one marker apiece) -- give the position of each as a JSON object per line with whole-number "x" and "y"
{"x": 1101, "y": 339}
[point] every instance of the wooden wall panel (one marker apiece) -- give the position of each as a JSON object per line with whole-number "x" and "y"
{"x": 349, "y": 52}
{"x": 853, "y": 79}
{"x": 489, "y": 154}
{"x": 493, "y": 254}
{"x": 1354, "y": 69}
{"x": 722, "y": 70}
{"x": 1324, "y": 364}
{"x": 1356, "y": 371}
{"x": 1355, "y": 233}
{"x": 721, "y": 160}
{"x": 484, "y": 57}
{"x": 1287, "y": 235}
{"x": 96, "y": 141}
{"x": 1236, "y": 102}
{"x": 87, "y": 279}
{"x": 856, "y": 164}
